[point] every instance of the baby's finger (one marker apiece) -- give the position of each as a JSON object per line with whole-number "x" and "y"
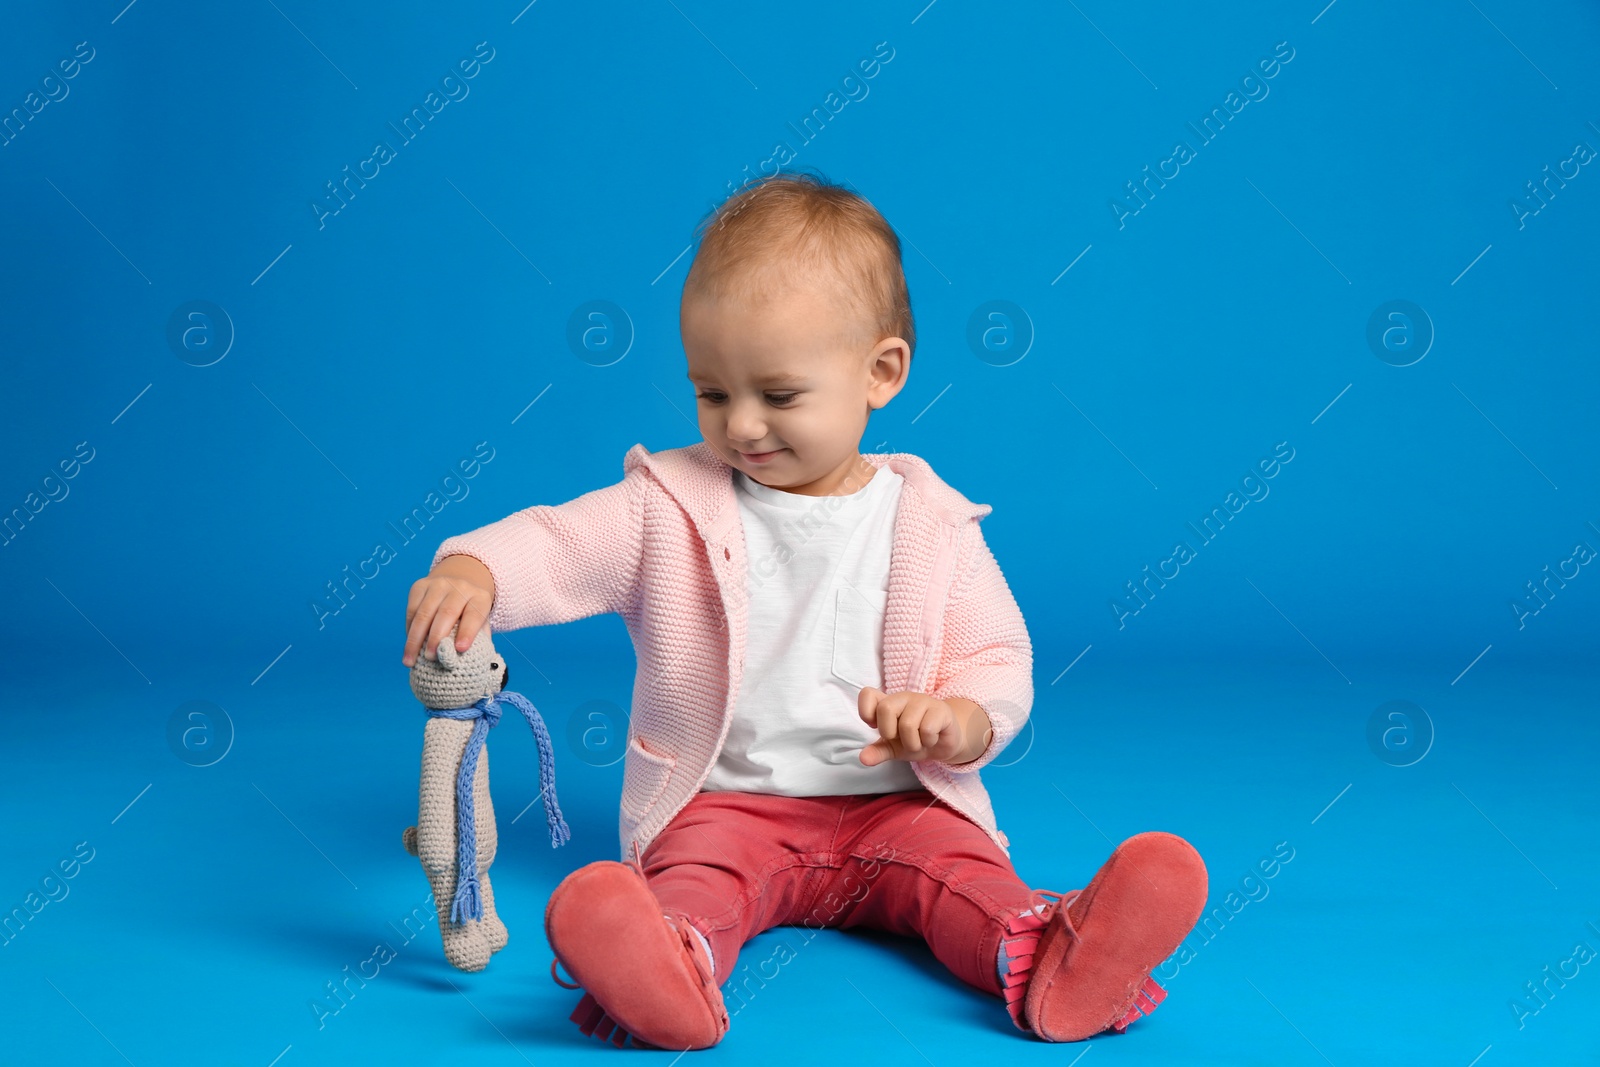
{"x": 888, "y": 712}
{"x": 876, "y": 753}
{"x": 419, "y": 589}
{"x": 417, "y": 628}
{"x": 444, "y": 620}
{"x": 472, "y": 619}
{"x": 867, "y": 704}
{"x": 455, "y": 585}
{"x": 909, "y": 730}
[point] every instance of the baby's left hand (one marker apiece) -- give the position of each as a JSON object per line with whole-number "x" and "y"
{"x": 914, "y": 726}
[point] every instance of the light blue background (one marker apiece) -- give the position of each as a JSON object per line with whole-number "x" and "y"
{"x": 372, "y": 354}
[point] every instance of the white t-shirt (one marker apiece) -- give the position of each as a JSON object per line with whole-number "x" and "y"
{"x": 818, "y": 584}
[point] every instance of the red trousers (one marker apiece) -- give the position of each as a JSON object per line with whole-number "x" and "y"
{"x": 740, "y": 863}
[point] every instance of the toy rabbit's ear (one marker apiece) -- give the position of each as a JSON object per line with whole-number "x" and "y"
{"x": 449, "y": 659}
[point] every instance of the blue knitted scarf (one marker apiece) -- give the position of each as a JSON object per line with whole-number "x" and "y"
{"x": 468, "y": 902}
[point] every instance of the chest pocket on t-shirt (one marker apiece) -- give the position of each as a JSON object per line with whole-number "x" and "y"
{"x": 858, "y": 635}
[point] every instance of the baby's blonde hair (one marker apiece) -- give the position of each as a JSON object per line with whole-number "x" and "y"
{"x": 791, "y": 228}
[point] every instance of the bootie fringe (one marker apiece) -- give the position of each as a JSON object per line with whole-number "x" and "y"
{"x": 1144, "y": 1002}
{"x": 1022, "y": 937}
{"x": 594, "y": 1022}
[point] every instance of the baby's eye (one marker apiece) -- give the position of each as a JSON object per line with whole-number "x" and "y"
{"x": 777, "y": 399}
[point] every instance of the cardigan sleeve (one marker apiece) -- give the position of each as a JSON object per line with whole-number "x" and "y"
{"x": 987, "y": 656}
{"x": 557, "y": 563}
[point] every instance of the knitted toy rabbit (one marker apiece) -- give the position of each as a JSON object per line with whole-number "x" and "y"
{"x": 455, "y": 836}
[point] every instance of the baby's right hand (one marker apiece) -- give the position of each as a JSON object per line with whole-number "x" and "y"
{"x": 459, "y": 588}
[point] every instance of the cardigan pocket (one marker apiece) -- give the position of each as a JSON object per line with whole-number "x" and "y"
{"x": 645, "y": 775}
{"x": 858, "y": 635}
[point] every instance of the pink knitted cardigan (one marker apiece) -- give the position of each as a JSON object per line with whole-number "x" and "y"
{"x": 664, "y": 548}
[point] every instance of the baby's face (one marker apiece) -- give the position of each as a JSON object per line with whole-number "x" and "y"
{"x": 783, "y": 389}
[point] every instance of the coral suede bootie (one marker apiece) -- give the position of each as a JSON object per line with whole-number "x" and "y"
{"x": 1080, "y": 964}
{"x": 645, "y": 976}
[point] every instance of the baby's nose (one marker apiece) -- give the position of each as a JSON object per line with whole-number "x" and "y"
{"x": 745, "y": 425}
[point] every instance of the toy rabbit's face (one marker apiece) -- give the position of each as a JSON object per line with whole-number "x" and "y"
{"x": 459, "y": 679}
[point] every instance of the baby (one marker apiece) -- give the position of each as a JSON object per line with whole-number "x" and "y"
{"x": 827, "y": 655}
